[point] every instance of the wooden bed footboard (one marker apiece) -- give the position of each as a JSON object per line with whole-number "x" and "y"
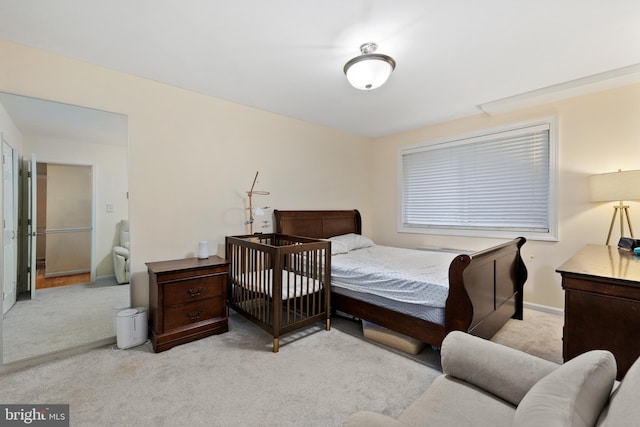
{"x": 485, "y": 289}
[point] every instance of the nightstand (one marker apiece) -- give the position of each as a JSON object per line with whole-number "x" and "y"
{"x": 187, "y": 300}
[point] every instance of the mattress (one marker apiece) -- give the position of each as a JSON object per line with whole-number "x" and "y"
{"x": 293, "y": 285}
{"x": 412, "y": 282}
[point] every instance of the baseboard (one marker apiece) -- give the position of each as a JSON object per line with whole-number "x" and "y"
{"x": 32, "y": 361}
{"x": 544, "y": 308}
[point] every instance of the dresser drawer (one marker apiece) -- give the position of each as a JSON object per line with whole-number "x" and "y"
{"x": 193, "y": 312}
{"x": 195, "y": 289}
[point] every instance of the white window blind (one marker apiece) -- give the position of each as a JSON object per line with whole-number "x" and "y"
{"x": 497, "y": 182}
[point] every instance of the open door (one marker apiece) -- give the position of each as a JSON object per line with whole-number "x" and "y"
{"x": 28, "y": 230}
{"x": 9, "y": 250}
{"x": 32, "y": 223}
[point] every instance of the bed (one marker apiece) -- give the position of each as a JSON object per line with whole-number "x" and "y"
{"x": 279, "y": 282}
{"x": 484, "y": 288}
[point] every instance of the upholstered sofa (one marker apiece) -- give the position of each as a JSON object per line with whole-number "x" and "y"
{"x": 488, "y": 384}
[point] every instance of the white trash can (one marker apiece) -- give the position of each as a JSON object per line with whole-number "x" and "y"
{"x": 116, "y": 310}
{"x": 131, "y": 325}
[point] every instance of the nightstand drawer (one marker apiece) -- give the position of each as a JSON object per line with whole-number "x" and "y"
{"x": 194, "y": 312}
{"x": 195, "y": 289}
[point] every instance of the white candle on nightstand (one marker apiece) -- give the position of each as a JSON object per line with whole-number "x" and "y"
{"x": 203, "y": 249}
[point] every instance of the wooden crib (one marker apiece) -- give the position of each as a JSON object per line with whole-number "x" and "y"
{"x": 279, "y": 282}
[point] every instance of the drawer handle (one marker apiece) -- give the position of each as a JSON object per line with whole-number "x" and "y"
{"x": 196, "y": 293}
{"x": 196, "y": 316}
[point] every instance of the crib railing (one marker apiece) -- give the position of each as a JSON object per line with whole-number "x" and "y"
{"x": 280, "y": 282}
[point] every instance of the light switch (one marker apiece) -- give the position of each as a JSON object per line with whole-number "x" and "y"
{"x": 109, "y": 207}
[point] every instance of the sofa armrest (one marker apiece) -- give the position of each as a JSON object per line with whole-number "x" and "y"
{"x": 500, "y": 370}
{"x": 119, "y": 250}
{"x": 371, "y": 419}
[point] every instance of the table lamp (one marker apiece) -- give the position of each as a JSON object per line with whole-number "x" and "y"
{"x": 616, "y": 186}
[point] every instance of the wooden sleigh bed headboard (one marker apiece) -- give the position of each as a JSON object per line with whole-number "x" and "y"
{"x": 318, "y": 224}
{"x": 485, "y": 288}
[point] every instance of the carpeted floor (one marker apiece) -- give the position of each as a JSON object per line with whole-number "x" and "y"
{"x": 540, "y": 334}
{"x": 317, "y": 379}
{"x": 62, "y": 318}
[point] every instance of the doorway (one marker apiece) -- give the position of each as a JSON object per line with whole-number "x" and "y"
{"x": 64, "y": 249}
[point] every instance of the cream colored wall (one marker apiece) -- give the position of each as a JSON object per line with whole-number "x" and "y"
{"x": 110, "y": 169}
{"x": 598, "y": 133}
{"x": 192, "y": 157}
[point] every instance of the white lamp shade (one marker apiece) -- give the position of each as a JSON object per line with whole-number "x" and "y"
{"x": 615, "y": 186}
{"x": 369, "y": 73}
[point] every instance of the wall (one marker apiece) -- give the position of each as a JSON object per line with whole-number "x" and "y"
{"x": 193, "y": 157}
{"x": 598, "y": 133}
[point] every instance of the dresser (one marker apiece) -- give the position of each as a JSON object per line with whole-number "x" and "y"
{"x": 187, "y": 300}
{"x": 602, "y": 304}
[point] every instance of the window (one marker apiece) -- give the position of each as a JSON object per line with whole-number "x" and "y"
{"x": 500, "y": 183}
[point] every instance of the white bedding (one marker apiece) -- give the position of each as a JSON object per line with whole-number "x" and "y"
{"x": 293, "y": 285}
{"x": 403, "y": 275}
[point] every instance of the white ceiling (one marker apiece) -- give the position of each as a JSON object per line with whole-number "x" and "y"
{"x": 286, "y": 56}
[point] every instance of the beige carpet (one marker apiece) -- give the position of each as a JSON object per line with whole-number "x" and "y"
{"x": 61, "y": 318}
{"x": 317, "y": 379}
{"x": 539, "y": 334}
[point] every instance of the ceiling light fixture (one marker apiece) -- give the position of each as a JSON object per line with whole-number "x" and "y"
{"x": 369, "y": 70}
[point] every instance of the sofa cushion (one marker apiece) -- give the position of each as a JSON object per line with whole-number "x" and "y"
{"x": 572, "y": 395}
{"x": 623, "y": 408}
{"x": 450, "y": 402}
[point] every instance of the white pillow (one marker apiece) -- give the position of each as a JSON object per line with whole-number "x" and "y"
{"x": 572, "y": 395}
{"x": 352, "y": 241}
{"x": 338, "y": 247}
